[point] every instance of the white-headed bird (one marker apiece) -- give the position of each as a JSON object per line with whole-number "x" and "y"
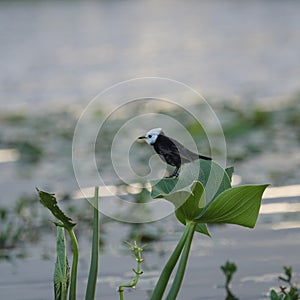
{"x": 170, "y": 150}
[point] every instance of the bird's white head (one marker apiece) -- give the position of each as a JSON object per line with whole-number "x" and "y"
{"x": 152, "y": 135}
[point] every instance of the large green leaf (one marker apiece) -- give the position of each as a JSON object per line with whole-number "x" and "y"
{"x": 187, "y": 192}
{"x": 212, "y": 176}
{"x": 239, "y": 205}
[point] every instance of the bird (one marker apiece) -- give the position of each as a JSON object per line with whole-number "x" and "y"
{"x": 170, "y": 151}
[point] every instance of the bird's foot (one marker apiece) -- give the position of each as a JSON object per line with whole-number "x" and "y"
{"x": 174, "y": 174}
{"x": 171, "y": 176}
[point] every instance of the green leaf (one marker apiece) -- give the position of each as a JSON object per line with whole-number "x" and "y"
{"x": 273, "y": 295}
{"x": 188, "y": 204}
{"x": 49, "y": 201}
{"x": 164, "y": 187}
{"x": 229, "y": 172}
{"x": 202, "y": 228}
{"x": 239, "y": 205}
{"x": 212, "y": 176}
{"x": 61, "y": 275}
{"x": 194, "y": 202}
{"x": 188, "y": 195}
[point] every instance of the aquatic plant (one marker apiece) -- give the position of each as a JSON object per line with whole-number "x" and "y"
{"x": 137, "y": 251}
{"x": 290, "y": 292}
{"x": 210, "y": 199}
{"x": 61, "y": 274}
{"x": 228, "y": 270}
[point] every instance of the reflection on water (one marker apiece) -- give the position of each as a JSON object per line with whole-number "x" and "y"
{"x": 56, "y": 52}
{"x": 262, "y": 278}
{"x": 282, "y": 207}
{"x": 282, "y": 213}
{"x": 110, "y": 190}
{"x": 286, "y": 225}
{"x": 9, "y": 155}
{"x": 283, "y": 191}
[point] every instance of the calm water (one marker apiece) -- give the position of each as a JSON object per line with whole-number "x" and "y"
{"x": 58, "y": 54}
{"x": 62, "y": 52}
{"x": 259, "y": 255}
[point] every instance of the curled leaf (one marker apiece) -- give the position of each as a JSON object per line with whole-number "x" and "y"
{"x": 49, "y": 201}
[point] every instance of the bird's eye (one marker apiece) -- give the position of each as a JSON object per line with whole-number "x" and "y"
{"x": 150, "y": 136}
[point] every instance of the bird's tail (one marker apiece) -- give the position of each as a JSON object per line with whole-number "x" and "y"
{"x": 204, "y": 157}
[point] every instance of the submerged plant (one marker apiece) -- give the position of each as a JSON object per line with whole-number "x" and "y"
{"x": 18, "y": 225}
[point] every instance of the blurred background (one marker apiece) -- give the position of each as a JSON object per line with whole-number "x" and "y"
{"x": 56, "y": 56}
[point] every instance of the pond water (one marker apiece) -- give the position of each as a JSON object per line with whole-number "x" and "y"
{"x": 56, "y": 56}
{"x": 259, "y": 255}
{"x": 59, "y": 52}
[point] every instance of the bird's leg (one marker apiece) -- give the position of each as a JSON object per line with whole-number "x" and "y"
{"x": 175, "y": 173}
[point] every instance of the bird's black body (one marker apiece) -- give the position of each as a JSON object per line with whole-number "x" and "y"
{"x": 174, "y": 153}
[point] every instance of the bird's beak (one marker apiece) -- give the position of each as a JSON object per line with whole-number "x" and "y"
{"x": 141, "y": 137}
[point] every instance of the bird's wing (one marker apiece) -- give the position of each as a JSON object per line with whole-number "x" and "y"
{"x": 185, "y": 154}
{"x": 167, "y": 146}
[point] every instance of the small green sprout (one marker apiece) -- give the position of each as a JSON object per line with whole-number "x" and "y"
{"x": 137, "y": 252}
{"x": 229, "y": 269}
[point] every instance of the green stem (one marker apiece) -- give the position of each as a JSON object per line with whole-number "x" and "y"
{"x": 182, "y": 263}
{"x": 170, "y": 265}
{"x": 64, "y": 293}
{"x": 72, "y": 294}
{"x": 93, "y": 274}
{"x": 121, "y": 293}
{"x": 138, "y": 257}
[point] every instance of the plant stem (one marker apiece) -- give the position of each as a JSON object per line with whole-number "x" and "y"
{"x": 121, "y": 293}
{"x": 170, "y": 265}
{"x": 72, "y": 294}
{"x": 138, "y": 257}
{"x": 93, "y": 274}
{"x": 182, "y": 263}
